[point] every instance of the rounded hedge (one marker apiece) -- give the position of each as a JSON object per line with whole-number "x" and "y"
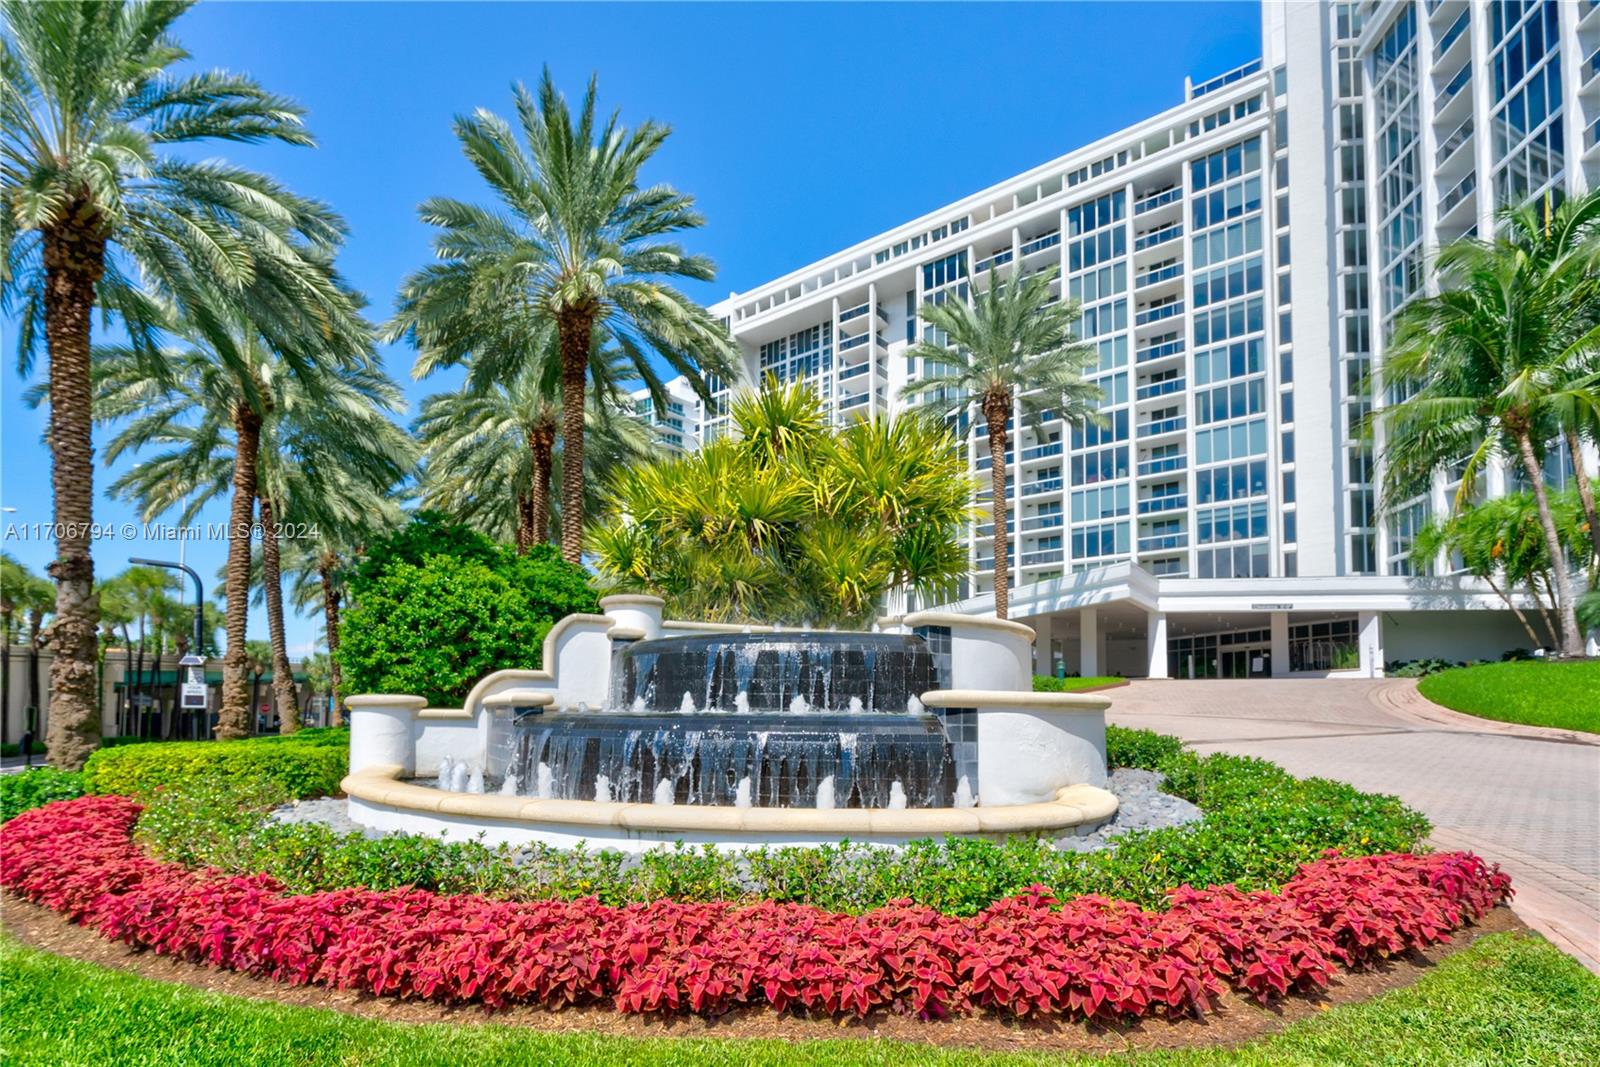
{"x": 308, "y": 763}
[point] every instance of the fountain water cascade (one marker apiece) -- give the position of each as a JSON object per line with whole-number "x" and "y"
{"x": 640, "y": 730}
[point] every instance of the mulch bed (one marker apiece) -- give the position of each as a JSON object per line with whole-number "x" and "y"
{"x": 1237, "y": 1020}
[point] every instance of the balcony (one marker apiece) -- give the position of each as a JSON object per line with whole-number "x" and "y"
{"x": 1162, "y": 465}
{"x": 1456, "y": 31}
{"x": 849, "y": 343}
{"x": 999, "y": 259}
{"x": 1161, "y": 198}
{"x": 1158, "y": 237}
{"x": 1163, "y": 426}
{"x": 1042, "y": 242}
{"x": 854, "y": 372}
{"x": 1163, "y": 542}
{"x": 1160, "y": 351}
{"x": 1043, "y": 557}
{"x": 1158, "y": 313}
{"x": 1155, "y": 389}
{"x": 1041, "y": 485}
{"x": 1448, "y": 94}
{"x": 1156, "y": 504}
{"x": 1040, "y": 522}
{"x": 1050, "y": 448}
{"x": 1448, "y": 146}
{"x": 855, "y": 401}
{"x": 861, "y": 310}
{"x": 1159, "y": 275}
{"x": 1460, "y": 192}
{"x": 986, "y": 461}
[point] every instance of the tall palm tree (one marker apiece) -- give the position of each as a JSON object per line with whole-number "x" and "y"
{"x": 1011, "y": 348}
{"x": 301, "y": 441}
{"x": 37, "y": 599}
{"x": 573, "y": 244}
{"x": 490, "y": 455}
{"x": 1496, "y": 363}
{"x": 257, "y": 662}
{"x": 92, "y": 199}
{"x": 145, "y": 587}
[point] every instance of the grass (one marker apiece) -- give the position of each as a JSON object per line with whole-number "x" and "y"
{"x": 1564, "y": 695}
{"x": 1507, "y": 999}
{"x": 1049, "y": 684}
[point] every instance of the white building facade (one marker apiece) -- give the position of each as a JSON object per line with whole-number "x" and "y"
{"x": 1238, "y": 259}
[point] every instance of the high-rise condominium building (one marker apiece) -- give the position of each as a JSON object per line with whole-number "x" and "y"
{"x": 1239, "y": 260}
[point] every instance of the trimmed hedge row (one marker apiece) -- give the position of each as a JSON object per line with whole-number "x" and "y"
{"x": 29, "y": 789}
{"x": 1025, "y": 956}
{"x": 1262, "y": 824}
{"x": 307, "y": 763}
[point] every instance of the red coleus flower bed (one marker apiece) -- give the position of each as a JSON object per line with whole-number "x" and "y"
{"x": 1031, "y": 954}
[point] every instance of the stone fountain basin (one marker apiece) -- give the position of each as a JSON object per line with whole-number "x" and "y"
{"x": 380, "y": 799}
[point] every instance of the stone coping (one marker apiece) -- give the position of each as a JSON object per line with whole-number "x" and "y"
{"x": 622, "y": 600}
{"x": 444, "y": 715}
{"x": 716, "y": 627}
{"x": 1074, "y": 806}
{"x": 1014, "y": 698}
{"x": 386, "y": 700}
{"x": 626, "y": 633}
{"x": 520, "y": 698}
{"x": 951, "y": 619}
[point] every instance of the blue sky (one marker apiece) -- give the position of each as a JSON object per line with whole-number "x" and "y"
{"x": 800, "y": 129}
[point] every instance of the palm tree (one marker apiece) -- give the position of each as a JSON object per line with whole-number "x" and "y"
{"x": 305, "y": 442}
{"x": 37, "y": 599}
{"x": 145, "y": 588}
{"x": 490, "y": 456}
{"x": 574, "y": 245}
{"x": 92, "y": 199}
{"x": 14, "y": 577}
{"x": 116, "y": 615}
{"x": 257, "y": 662}
{"x": 1011, "y": 347}
{"x": 1495, "y": 364}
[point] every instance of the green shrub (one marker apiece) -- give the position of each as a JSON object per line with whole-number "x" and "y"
{"x": 1047, "y": 683}
{"x": 29, "y": 789}
{"x": 14, "y": 748}
{"x": 435, "y": 607}
{"x": 309, "y": 763}
{"x": 1261, "y": 824}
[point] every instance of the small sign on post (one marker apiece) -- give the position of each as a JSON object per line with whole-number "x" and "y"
{"x": 195, "y": 696}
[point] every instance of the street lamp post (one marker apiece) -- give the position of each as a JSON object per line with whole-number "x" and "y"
{"x": 194, "y": 663}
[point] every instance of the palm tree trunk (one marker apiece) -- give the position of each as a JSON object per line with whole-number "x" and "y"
{"x": 35, "y": 694}
{"x": 272, "y": 576}
{"x": 995, "y": 412}
{"x": 155, "y": 690}
{"x": 1571, "y": 643}
{"x": 1523, "y": 619}
{"x": 330, "y": 620}
{"x": 1585, "y": 494}
{"x": 542, "y": 443}
{"x": 74, "y": 260}
{"x": 138, "y": 683}
{"x": 577, "y": 335}
{"x": 255, "y": 698}
{"x": 237, "y": 707}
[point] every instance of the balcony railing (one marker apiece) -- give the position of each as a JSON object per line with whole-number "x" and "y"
{"x": 986, "y": 462}
{"x": 1163, "y": 542}
{"x": 1462, "y": 190}
{"x": 1160, "y": 198}
{"x": 1160, "y": 274}
{"x": 1448, "y": 146}
{"x": 1043, "y": 556}
{"x": 853, "y": 401}
{"x": 854, "y": 372}
{"x": 1040, "y": 243}
{"x": 856, "y": 342}
{"x": 1161, "y": 426}
{"x": 1449, "y": 36}
{"x": 1040, "y": 522}
{"x": 1163, "y": 464}
{"x": 999, "y": 259}
{"x": 1459, "y": 82}
{"x": 1157, "y": 504}
{"x": 1171, "y": 385}
{"x": 863, "y": 309}
{"x": 1158, "y": 237}
{"x": 1159, "y": 312}
{"x": 1161, "y": 351}
{"x": 1041, "y": 485}
{"x": 1236, "y": 74}
{"x": 1051, "y": 448}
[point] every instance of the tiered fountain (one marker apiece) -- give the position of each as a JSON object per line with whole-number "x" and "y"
{"x": 641, "y": 730}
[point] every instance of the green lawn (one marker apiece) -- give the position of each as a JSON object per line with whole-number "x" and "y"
{"x": 1048, "y": 684}
{"x": 1564, "y": 695}
{"x": 1508, "y": 999}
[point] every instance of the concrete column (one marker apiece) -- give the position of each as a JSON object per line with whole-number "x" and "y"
{"x": 1088, "y": 642}
{"x": 1042, "y": 663}
{"x": 1156, "y": 644}
{"x": 1280, "y": 644}
{"x": 1371, "y": 644}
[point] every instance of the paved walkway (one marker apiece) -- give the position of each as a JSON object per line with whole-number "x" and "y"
{"x": 1523, "y": 797}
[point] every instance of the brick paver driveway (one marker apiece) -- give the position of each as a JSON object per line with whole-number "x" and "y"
{"x": 1525, "y": 798}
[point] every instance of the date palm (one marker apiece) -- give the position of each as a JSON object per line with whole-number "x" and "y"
{"x": 92, "y": 198}
{"x": 574, "y": 243}
{"x": 309, "y": 446}
{"x": 1011, "y": 348}
{"x": 1495, "y": 366}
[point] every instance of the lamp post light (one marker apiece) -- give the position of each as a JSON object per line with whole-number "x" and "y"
{"x": 193, "y": 691}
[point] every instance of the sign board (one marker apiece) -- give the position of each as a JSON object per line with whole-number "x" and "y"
{"x": 1271, "y": 607}
{"x": 195, "y": 695}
